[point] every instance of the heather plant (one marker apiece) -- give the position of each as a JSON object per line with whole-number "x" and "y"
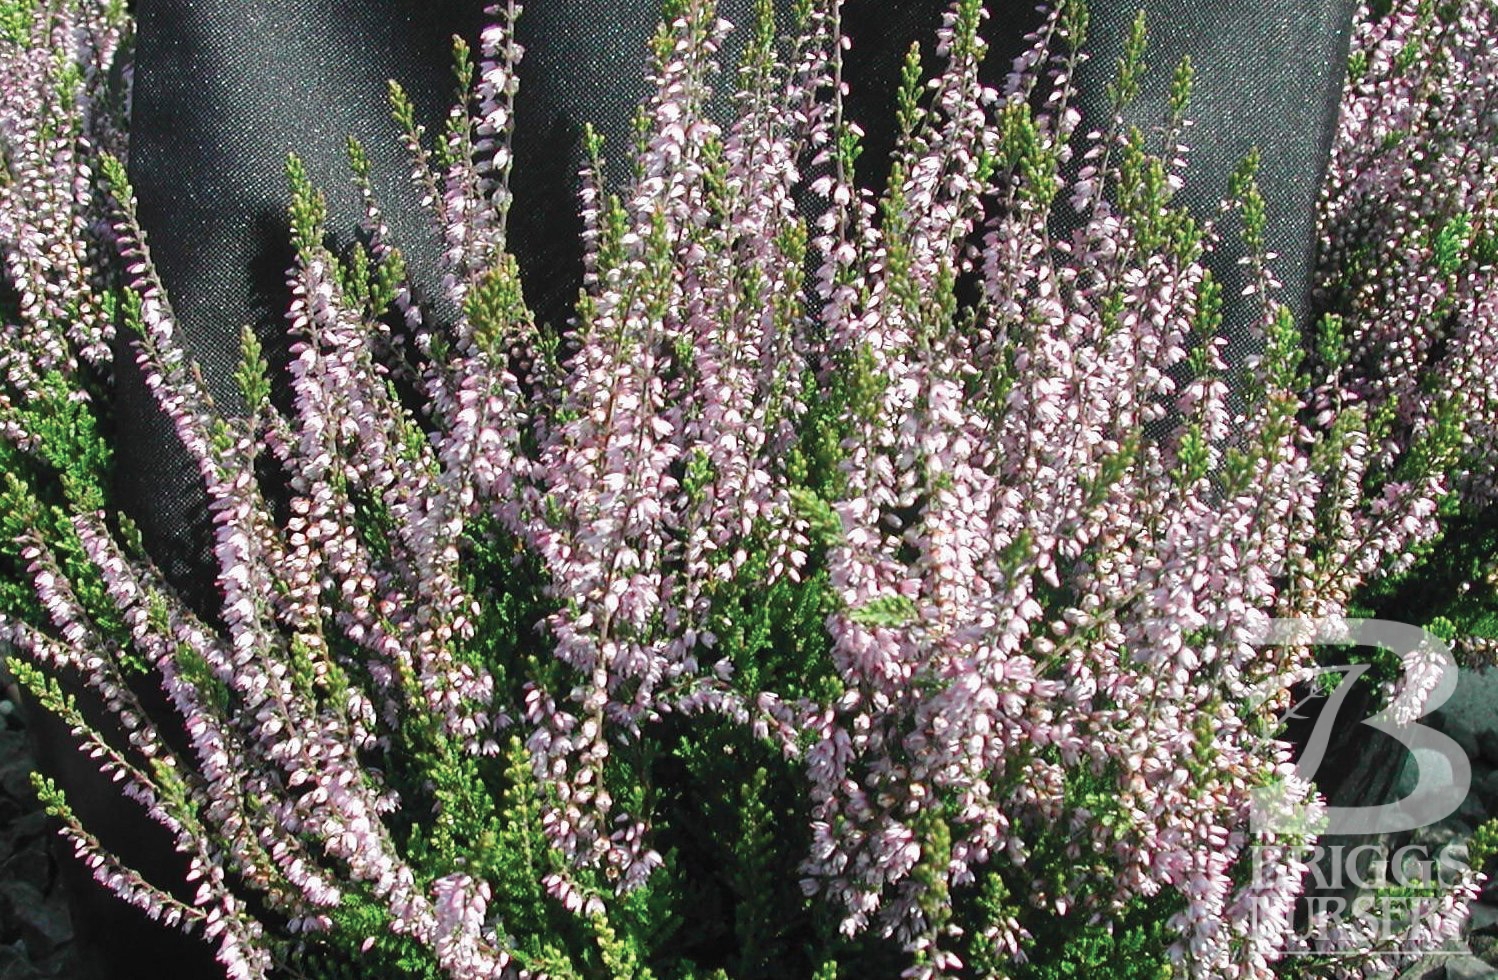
{"x": 1407, "y": 259}
{"x": 871, "y": 593}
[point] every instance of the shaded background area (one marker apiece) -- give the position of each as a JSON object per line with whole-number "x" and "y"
{"x": 36, "y": 929}
{"x": 225, "y": 89}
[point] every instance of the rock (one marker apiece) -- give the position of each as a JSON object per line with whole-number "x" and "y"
{"x": 1468, "y": 968}
{"x": 1485, "y": 788}
{"x": 1439, "y": 799}
{"x": 15, "y": 767}
{"x": 30, "y": 826}
{"x": 16, "y": 965}
{"x": 1416, "y": 762}
{"x": 1487, "y": 744}
{"x": 1436, "y": 837}
{"x": 15, "y": 779}
{"x": 1431, "y": 963}
{"x": 1458, "y": 725}
{"x": 31, "y": 865}
{"x": 11, "y": 813}
{"x": 43, "y": 925}
{"x": 1484, "y": 920}
{"x": 1473, "y": 809}
{"x": 1426, "y": 968}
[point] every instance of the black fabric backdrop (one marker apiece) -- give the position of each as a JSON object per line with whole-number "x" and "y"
{"x": 224, "y": 89}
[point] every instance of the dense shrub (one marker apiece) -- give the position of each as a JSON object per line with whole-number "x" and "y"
{"x": 860, "y": 596}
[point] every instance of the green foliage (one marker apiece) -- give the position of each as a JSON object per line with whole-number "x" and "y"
{"x": 1074, "y": 19}
{"x": 1454, "y": 590}
{"x": 521, "y": 858}
{"x": 308, "y": 210}
{"x": 908, "y": 111}
{"x": 1438, "y": 448}
{"x": 1024, "y": 152}
{"x": 1243, "y": 188}
{"x": 69, "y": 472}
{"x": 823, "y": 524}
{"x": 1129, "y": 942}
{"x": 403, "y": 110}
{"x": 1283, "y": 354}
{"x": 1131, "y": 947}
{"x": 1452, "y": 243}
{"x": 930, "y": 872}
{"x": 753, "y": 880}
{"x": 197, "y": 672}
{"x": 362, "y": 937}
{"x": 69, "y": 442}
{"x": 52, "y": 798}
{"x": 1126, "y": 84}
{"x": 1357, "y": 67}
{"x": 16, "y": 18}
{"x": 253, "y": 374}
{"x": 1205, "y": 325}
{"x": 46, "y": 691}
{"x": 1144, "y": 198}
{"x": 1181, "y": 85}
{"x": 497, "y": 309}
{"x": 775, "y": 637}
{"x": 1331, "y": 342}
{"x": 888, "y": 611}
{"x": 733, "y": 828}
{"x": 1194, "y": 456}
{"x": 1483, "y": 846}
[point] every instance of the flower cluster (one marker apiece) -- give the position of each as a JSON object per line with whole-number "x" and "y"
{"x": 1406, "y": 278}
{"x": 899, "y": 545}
